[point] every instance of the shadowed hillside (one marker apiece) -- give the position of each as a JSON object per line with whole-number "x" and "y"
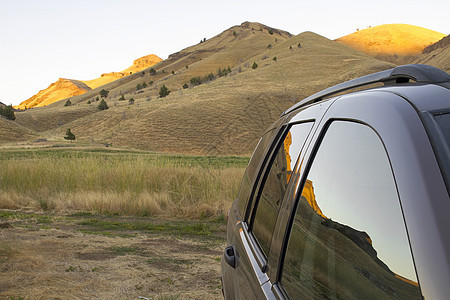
{"x": 223, "y": 115}
{"x": 437, "y": 55}
{"x": 11, "y": 131}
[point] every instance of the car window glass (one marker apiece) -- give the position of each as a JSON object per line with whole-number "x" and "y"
{"x": 274, "y": 184}
{"x": 348, "y": 239}
{"x": 252, "y": 170}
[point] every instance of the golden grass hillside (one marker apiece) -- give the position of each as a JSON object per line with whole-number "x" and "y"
{"x": 228, "y": 114}
{"x": 390, "y": 40}
{"x": 222, "y": 116}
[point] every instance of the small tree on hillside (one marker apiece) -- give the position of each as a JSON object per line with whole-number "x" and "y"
{"x": 69, "y": 135}
{"x": 103, "y": 105}
{"x": 163, "y": 91}
{"x": 255, "y": 65}
{"x": 152, "y": 71}
{"x": 8, "y": 112}
{"x": 122, "y": 98}
{"x": 68, "y": 103}
{"x": 104, "y": 93}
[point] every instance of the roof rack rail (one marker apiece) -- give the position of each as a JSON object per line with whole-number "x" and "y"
{"x": 402, "y": 74}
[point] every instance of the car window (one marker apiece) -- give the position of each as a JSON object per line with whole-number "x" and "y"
{"x": 275, "y": 181}
{"x": 348, "y": 239}
{"x": 252, "y": 170}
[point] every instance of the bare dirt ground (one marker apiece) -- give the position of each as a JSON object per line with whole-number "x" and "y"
{"x": 84, "y": 256}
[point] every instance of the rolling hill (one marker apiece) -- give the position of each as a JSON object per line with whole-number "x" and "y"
{"x": 225, "y": 114}
{"x": 66, "y": 88}
{"x": 392, "y": 42}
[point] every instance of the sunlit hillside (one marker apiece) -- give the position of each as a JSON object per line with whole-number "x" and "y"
{"x": 61, "y": 89}
{"x": 223, "y": 115}
{"x": 66, "y": 88}
{"x": 391, "y": 40}
{"x": 138, "y": 65}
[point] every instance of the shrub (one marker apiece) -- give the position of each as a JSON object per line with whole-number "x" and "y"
{"x": 138, "y": 87}
{"x": 131, "y": 101}
{"x": 210, "y": 77}
{"x": 144, "y": 85}
{"x": 269, "y": 46}
{"x": 270, "y": 31}
{"x": 151, "y": 82}
{"x": 173, "y": 72}
{"x": 69, "y": 135}
{"x": 122, "y": 98}
{"x": 163, "y": 91}
{"x": 89, "y": 102}
{"x": 299, "y": 45}
{"x": 152, "y": 71}
{"x": 234, "y": 33}
{"x": 196, "y": 80}
{"x": 104, "y": 93}
{"x": 68, "y": 103}
{"x": 274, "y": 58}
{"x": 96, "y": 99}
{"x": 8, "y": 112}
{"x": 185, "y": 86}
{"x": 255, "y": 65}
{"x": 103, "y": 105}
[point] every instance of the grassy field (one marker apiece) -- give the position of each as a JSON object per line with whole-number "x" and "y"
{"x": 118, "y": 182}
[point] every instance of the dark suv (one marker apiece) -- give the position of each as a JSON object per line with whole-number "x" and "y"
{"x": 346, "y": 196}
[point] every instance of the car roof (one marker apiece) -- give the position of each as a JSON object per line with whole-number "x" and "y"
{"x": 414, "y": 82}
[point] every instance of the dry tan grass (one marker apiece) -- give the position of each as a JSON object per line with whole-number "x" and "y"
{"x": 117, "y": 184}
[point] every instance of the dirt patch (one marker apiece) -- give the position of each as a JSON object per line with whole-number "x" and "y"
{"x": 44, "y": 256}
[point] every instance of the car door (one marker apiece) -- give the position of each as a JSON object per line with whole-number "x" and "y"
{"x": 253, "y": 234}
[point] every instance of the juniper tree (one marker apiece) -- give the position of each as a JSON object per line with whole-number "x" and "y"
{"x": 163, "y": 91}
{"x": 69, "y": 135}
{"x": 103, "y": 105}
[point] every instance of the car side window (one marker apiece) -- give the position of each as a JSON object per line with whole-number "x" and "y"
{"x": 275, "y": 181}
{"x": 252, "y": 170}
{"x": 348, "y": 238}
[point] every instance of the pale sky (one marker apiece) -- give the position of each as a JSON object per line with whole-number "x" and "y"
{"x": 43, "y": 40}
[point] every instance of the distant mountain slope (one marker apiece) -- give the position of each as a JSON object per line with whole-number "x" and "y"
{"x": 66, "y": 88}
{"x": 391, "y": 40}
{"x": 228, "y": 114}
{"x": 61, "y": 89}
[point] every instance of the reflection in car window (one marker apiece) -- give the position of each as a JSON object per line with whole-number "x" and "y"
{"x": 252, "y": 170}
{"x": 277, "y": 178}
{"x": 348, "y": 240}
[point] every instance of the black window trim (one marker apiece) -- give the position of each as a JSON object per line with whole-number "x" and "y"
{"x": 259, "y": 254}
{"x": 261, "y": 169}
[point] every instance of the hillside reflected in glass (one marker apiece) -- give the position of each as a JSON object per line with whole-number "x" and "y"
{"x": 348, "y": 240}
